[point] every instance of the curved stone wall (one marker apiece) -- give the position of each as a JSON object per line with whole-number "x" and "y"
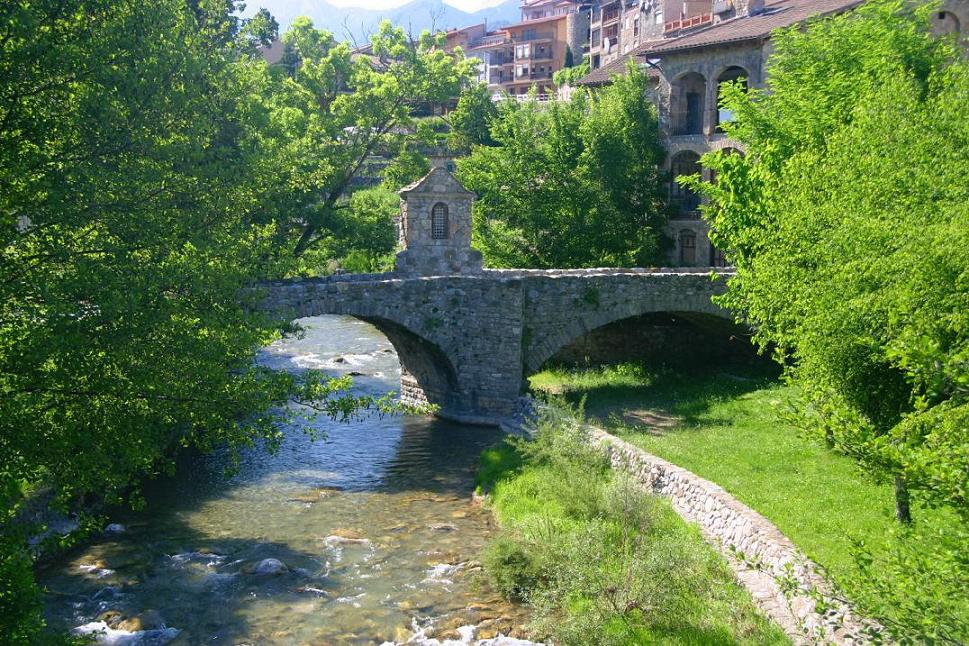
{"x": 787, "y": 585}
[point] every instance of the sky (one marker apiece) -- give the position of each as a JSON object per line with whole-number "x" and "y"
{"x": 464, "y": 5}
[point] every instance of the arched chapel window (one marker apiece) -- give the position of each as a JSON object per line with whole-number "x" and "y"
{"x": 439, "y": 227}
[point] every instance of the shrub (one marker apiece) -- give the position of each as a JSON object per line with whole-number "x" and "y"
{"x": 512, "y": 567}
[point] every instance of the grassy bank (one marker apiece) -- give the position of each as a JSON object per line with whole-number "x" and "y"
{"x": 729, "y": 426}
{"x": 600, "y": 561}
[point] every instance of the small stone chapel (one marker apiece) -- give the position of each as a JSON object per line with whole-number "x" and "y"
{"x": 435, "y": 227}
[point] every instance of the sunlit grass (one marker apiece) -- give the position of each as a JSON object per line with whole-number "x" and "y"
{"x": 728, "y": 426}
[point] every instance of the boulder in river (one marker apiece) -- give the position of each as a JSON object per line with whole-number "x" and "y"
{"x": 269, "y": 567}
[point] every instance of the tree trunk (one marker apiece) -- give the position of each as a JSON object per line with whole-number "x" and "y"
{"x": 903, "y": 512}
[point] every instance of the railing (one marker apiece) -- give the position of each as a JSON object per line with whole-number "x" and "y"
{"x": 687, "y": 23}
{"x": 685, "y": 207}
{"x": 538, "y": 35}
{"x": 537, "y": 56}
{"x": 524, "y": 98}
{"x": 489, "y": 40}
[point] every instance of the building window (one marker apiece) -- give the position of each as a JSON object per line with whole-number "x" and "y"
{"x": 687, "y": 101}
{"x": 439, "y": 221}
{"x": 717, "y": 257}
{"x": 636, "y": 27}
{"x": 687, "y": 248}
{"x": 684, "y": 201}
{"x": 730, "y": 75}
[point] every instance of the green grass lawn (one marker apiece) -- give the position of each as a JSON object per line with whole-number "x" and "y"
{"x": 728, "y": 426}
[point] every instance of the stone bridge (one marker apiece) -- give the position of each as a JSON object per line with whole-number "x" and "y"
{"x": 468, "y": 337}
{"x": 467, "y": 343}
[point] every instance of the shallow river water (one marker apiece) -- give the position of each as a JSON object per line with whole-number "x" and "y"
{"x": 364, "y": 537}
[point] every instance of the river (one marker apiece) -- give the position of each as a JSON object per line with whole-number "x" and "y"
{"x": 365, "y": 537}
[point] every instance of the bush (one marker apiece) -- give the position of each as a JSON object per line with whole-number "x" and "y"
{"x": 20, "y": 602}
{"x": 512, "y": 567}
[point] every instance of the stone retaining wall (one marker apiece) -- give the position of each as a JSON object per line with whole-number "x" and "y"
{"x": 785, "y": 583}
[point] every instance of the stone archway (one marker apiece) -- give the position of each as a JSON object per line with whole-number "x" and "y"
{"x": 426, "y": 374}
{"x": 673, "y": 339}
{"x": 688, "y": 104}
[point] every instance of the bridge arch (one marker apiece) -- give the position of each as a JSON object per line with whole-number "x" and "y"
{"x": 671, "y": 338}
{"x": 598, "y": 301}
{"x": 426, "y": 373}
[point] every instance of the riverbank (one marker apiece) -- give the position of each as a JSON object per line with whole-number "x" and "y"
{"x": 351, "y": 532}
{"x": 599, "y": 560}
{"x": 729, "y": 426}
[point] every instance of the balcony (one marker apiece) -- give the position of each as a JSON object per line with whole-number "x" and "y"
{"x": 685, "y": 207}
{"x": 537, "y": 35}
{"x": 490, "y": 40}
{"x": 687, "y": 23}
{"x": 545, "y": 55}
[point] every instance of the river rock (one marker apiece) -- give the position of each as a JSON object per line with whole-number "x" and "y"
{"x": 269, "y": 567}
{"x": 444, "y": 527}
{"x": 115, "y": 528}
{"x": 148, "y": 620}
{"x": 111, "y": 618}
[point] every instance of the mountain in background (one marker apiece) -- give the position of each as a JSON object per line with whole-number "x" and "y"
{"x": 356, "y": 23}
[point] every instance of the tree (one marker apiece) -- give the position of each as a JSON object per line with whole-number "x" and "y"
{"x": 133, "y": 165}
{"x": 331, "y": 109}
{"x": 571, "y": 184}
{"x": 775, "y": 216}
{"x": 471, "y": 119}
{"x": 569, "y": 74}
{"x": 846, "y": 221}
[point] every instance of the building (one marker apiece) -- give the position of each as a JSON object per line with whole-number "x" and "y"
{"x": 518, "y": 57}
{"x": 728, "y": 40}
{"x": 616, "y": 27}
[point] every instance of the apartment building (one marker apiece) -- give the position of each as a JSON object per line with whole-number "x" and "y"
{"x": 619, "y": 26}
{"x": 525, "y": 55}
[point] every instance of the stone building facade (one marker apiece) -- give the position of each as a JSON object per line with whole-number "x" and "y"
{"x": 725, "y": 41}
{"x": 434, "y": 228}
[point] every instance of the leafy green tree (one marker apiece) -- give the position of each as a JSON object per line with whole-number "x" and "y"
{"x": 134, "y": 166}
{"x": 364, "y": 235}
{"x": 330, "y": 110}
{"x": 571, "y": 184}
{"x": 409, "y": 166}
{"x": 846, "y": 221}
{"x": 471, "y": 119}
{"x": 569, "y": 74}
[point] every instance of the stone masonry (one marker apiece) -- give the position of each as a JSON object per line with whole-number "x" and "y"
{"x": 467, "y": 342}
{"x": 447, "y": 250}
